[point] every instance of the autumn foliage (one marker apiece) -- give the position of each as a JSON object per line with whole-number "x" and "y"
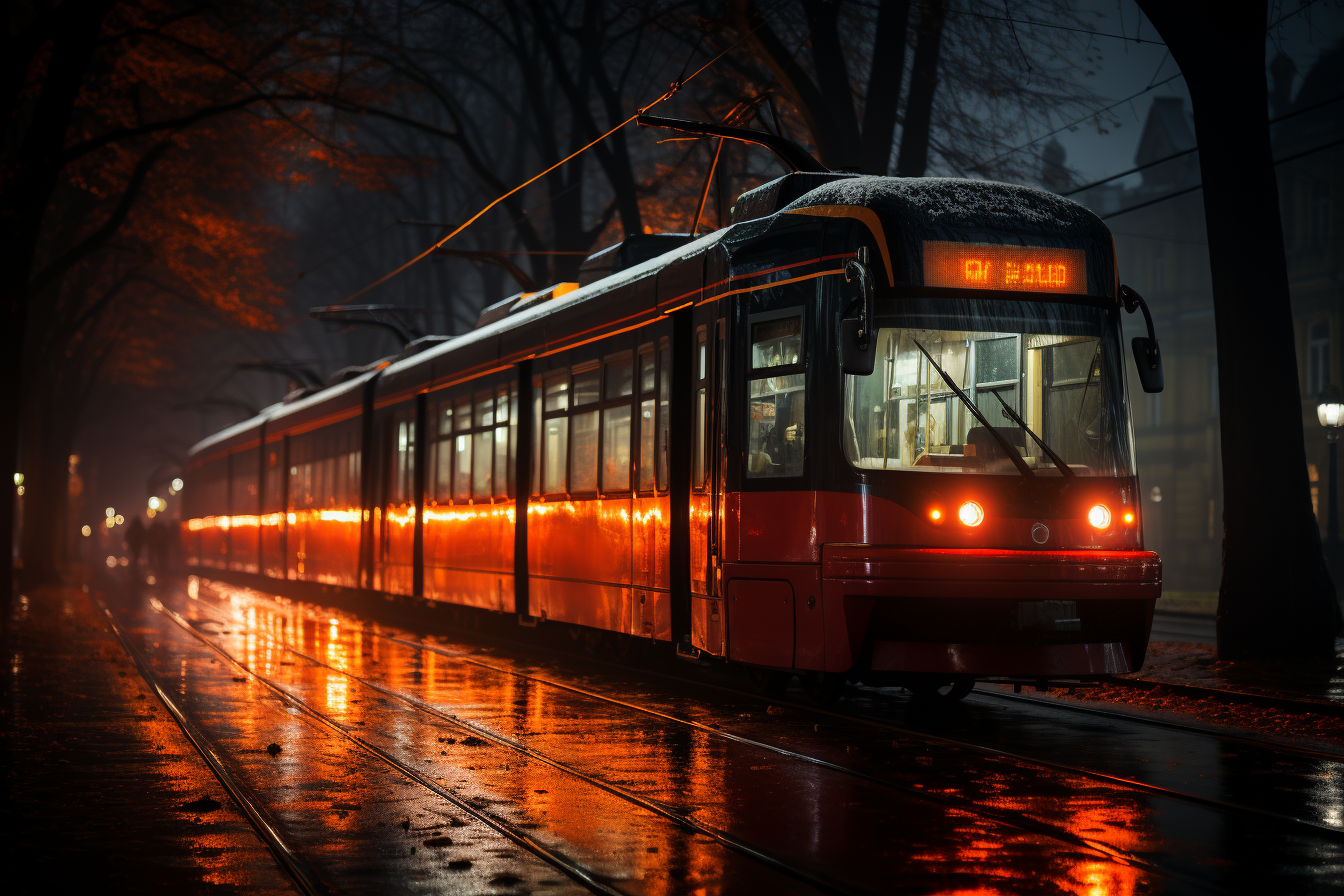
{"x": 144, "y": 142}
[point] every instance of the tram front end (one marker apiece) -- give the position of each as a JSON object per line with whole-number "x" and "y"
{"x": 986, "y": 472}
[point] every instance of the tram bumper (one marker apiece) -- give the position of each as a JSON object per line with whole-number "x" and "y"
{"x": 988, "y": 613}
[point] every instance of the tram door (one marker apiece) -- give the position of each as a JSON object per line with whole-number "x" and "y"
{"x": 708, "y": 465}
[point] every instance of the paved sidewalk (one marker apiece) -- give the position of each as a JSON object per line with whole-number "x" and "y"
{"x": 101, "y": 788}
{"x": 1172, "y": 662}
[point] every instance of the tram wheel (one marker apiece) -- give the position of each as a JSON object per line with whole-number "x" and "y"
{"x": 942, "y": 692}
{"x": 767, "y": 682}
{"x": 822, "y": 688}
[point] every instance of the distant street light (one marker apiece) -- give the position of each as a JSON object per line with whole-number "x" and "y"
{"x": 1330, "y": 412}
{"x": 177, "y": 485}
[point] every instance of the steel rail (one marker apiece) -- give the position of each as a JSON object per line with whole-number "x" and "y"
{"x": 1205, "y": 730}
{"x": 1226, "y": 695}
{"x": 304, "y": 877}
{"x": 1116, "y": 780}
{"x": 550, "y": 856}
{"x": 682, "y": 818}
{"x": 1019, "y": 820}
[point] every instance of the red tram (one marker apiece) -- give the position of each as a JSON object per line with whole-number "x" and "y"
{"x": 874, "y": 428}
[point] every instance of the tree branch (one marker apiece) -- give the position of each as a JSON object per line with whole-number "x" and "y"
{"x": 104, "y": 233}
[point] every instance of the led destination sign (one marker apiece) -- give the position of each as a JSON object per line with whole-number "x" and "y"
{"x": 973, "y": 266}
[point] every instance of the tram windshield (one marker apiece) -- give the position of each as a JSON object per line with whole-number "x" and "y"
{"x": 1056, "y": 366}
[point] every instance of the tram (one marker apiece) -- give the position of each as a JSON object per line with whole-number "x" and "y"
{"x": 876, "y": 428}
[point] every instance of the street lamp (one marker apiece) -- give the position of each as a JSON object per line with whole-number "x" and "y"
{"x": 1330, "y": 412}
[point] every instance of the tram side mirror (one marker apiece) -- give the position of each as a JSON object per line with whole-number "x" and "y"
{"x": 1147, "y": 353}
{"x": 858, "y": 342}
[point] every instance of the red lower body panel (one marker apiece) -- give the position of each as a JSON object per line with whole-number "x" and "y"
{"x": 1014, "y": 660}
{"x": 972, "y": 611}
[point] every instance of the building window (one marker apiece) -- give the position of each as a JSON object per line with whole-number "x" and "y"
{"x": 1320, "y": 211}
{"x": 1318, "y": 357}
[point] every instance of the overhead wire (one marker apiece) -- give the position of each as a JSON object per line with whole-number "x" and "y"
{"x": 1012, "y": 21}
{"x": 671, "y": 91}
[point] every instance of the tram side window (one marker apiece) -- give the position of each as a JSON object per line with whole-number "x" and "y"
{"x": 475, "y": 449}
{"x": 537, "y": 425}
{"x": 403, "y": 480}
{"x": 619, "y": 388}
{"x": 555, "y": 432}
{"x": 664, "y": 408}
{"x": 648, "y": 404}
{"x": 505, "y": 482}
{"x": 584, "y": 431}
{"x": 701, "y": 362}
{"x": 442, "y": 433}
{"x": 776, "y": 430}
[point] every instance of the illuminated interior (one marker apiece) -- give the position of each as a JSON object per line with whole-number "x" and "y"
{"x": 1051, "y": 365}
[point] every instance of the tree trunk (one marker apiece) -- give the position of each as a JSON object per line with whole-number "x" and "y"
{"x": 1276, "y": 599}
{"x": 914, "y": 158}
{"x": 819, "y": 111}
{"x": 828, "y": 60}
{"x": 46, "y": 493}
{"x": 884, "y": 87}
{"x": 29, "y": 179}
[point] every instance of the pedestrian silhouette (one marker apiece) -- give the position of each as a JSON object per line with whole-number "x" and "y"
{"x": 157, "y": 540}
{"x": 135, "y": 539}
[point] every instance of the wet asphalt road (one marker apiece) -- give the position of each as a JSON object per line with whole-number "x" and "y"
{"x": 413, "y": 763}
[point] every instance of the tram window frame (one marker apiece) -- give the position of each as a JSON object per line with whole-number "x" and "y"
{"x": 702, "y": 370}
{"x": 554, "y": 394}
{"x": 610, "y": 403}
{"x": 645, "y": 476}
{"x": 451, "y": 436}
{"x": 767, "y": 374}
{"x": 555, "y": 401}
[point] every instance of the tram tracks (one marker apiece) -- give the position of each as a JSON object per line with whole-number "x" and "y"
{"x": 1283, "y": 821}
{"x": 1226, "y": 695}
{"x": 1021, "y": 759}
{"x": 1115, "y": 780}
{"x": 294, "y": 864}
{"x": 572, "y": 868}
{"x": 1019, "y": 820}
{"x": 1013, "y": 819}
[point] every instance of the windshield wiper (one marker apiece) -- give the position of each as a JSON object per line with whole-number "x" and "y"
{"x": 1007, "y": 446}
{"x": 1049, "y": 452}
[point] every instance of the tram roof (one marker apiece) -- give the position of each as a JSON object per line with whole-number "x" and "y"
{"x": 910, "y": 209}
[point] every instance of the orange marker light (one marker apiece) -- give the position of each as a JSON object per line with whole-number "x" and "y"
{"x": 971, "y": 514}
{"x": 1099, "y": 516}
{"x": 936, "y": 515}
{"x": 1128, "y": 517}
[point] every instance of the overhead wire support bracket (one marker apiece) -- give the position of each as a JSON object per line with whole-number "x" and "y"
{"x": 789, "y": 152}
{"x": 388, "y": 317}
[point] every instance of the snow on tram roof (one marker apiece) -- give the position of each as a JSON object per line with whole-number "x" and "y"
{"x": 938, "y": 200}
{"x": 931, "y": 201}
{"x": 583, "y": 293}
{"x": 228, "y": 433}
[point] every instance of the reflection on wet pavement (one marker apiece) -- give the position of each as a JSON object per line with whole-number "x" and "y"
{"x": 601, "y": 767}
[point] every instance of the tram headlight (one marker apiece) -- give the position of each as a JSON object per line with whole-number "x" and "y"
{"x": 971, "y": 514}
{"x": 1099, "y": 516}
